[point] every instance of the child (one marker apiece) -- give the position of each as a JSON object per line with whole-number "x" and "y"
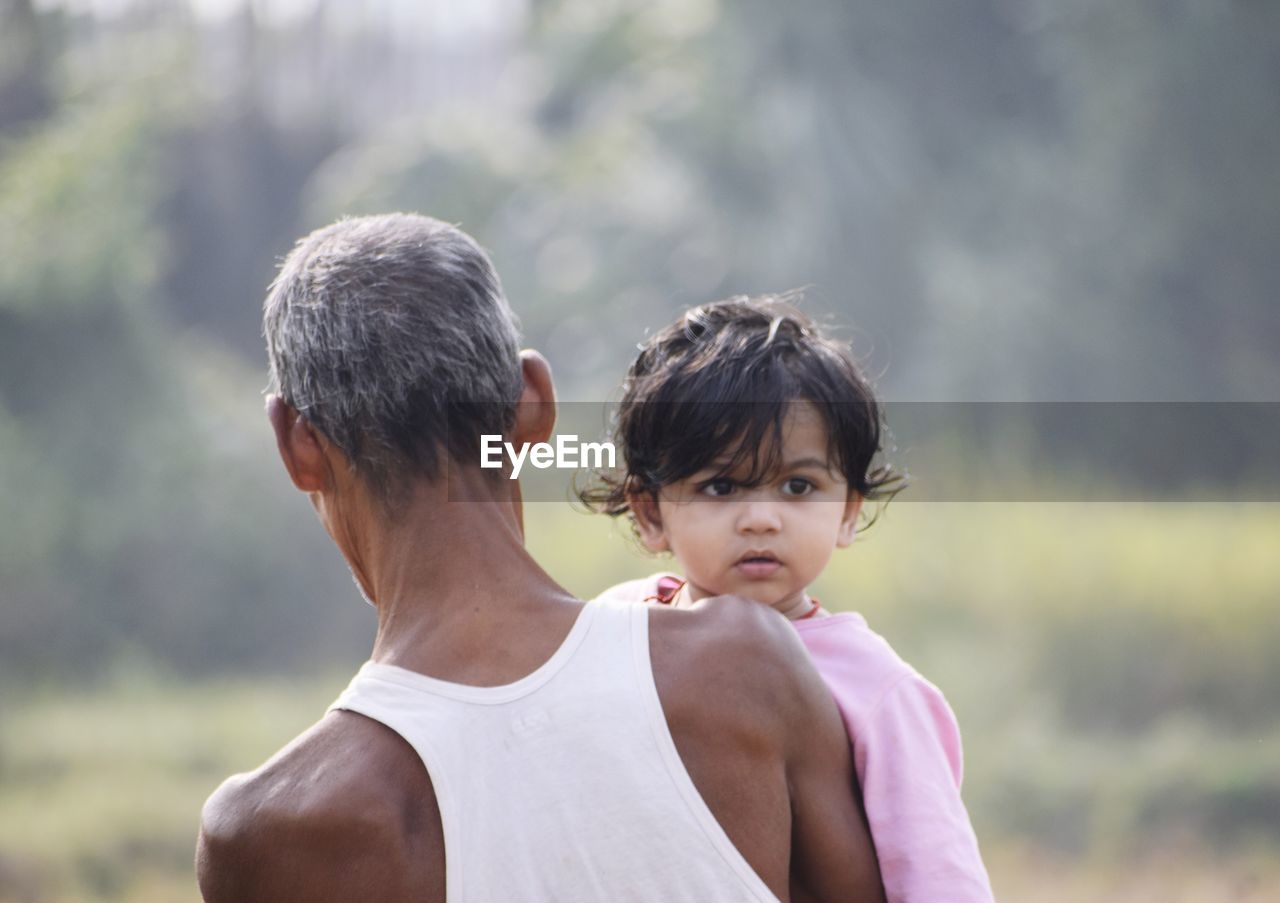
{"x": 748, "y": 442}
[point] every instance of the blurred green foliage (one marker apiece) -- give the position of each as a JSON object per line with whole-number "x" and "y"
{"x": 991, "y": 214}
{"x": 144, "y": 513}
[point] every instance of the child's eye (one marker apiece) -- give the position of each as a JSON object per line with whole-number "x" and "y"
{"x": 716, "y": 488}
{"x": 797, "y": 486}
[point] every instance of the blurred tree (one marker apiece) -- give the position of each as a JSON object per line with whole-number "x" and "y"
{"x": 143, "y": 517}
{"x": 24, "y": 64}
{"x": 1007, "y": 202}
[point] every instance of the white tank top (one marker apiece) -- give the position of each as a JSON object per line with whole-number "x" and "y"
{"x": 566, "y": 784}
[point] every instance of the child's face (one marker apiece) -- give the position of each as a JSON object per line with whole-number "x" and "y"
{"x": 766, "y": 542}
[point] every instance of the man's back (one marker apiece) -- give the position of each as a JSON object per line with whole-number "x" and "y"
{"x": 349, "y": 811}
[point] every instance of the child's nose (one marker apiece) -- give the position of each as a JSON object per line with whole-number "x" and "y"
{"x": 759, "y": 516}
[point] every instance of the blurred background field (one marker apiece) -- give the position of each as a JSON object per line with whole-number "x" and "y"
{"x": 995, "y": 202}
{"x": 1112, "y": 667}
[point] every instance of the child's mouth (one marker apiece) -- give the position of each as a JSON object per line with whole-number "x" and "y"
{"x": 758, "y": 566}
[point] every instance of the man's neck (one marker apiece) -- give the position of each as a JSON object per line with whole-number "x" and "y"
{"x": 457, "y": 594}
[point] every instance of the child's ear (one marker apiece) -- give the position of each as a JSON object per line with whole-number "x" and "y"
{"x": 644, "y": 506}
{"x": 849, "y": 522}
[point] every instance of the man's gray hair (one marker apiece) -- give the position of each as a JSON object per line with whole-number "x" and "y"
{"x": 391, "y": 335}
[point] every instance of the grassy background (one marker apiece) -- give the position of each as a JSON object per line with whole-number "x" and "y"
{"x": 1113, "y": 668}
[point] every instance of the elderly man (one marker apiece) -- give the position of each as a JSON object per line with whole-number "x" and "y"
{"x": 505, "y": 741}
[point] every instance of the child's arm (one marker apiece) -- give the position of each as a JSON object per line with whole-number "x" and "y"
{"x": 909, "y": 759}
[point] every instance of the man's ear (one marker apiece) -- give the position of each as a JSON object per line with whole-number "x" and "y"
{"x": 301, "y": 447}
{"x": 536, "y": 409}
{"x": 644, "y": 507}
{"x": 849, "y": 521}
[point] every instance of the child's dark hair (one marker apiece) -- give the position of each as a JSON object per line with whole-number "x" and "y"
{"x": 722, "y": 376}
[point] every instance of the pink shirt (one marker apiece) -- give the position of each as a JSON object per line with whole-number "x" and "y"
{"x": 907, "y": 754}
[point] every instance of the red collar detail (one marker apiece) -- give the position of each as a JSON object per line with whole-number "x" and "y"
{"x": 817, "y": 606}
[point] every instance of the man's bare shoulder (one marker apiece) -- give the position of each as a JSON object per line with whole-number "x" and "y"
{"x": 346, "y": 811}
{"x": 728, "y": 652}
{"x": 732, "y": 618}
{"x": 739, "y": 631}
